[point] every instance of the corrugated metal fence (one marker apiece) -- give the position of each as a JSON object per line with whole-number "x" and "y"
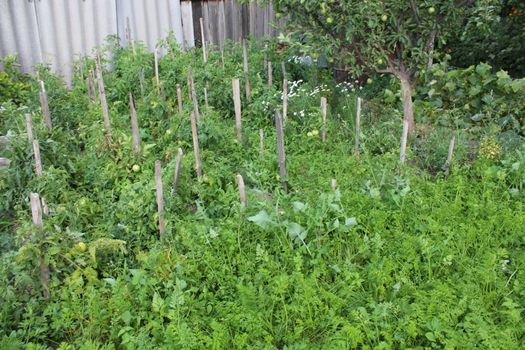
{"x": 58, "y": 31}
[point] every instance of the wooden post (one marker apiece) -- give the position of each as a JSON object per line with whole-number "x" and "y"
{"x": 179, "y": 98}
{"x": 242, "y": 192}
{"x": 270, "y": 82}
{"x": 283, "y": 69}
{"x": 261, "y": 143}
{"x": 156, "y": 59}
{"x": 237, "y": 106}
{"x": 29, "y": 127}
{"x": 45, "y": 106}
{"x": 103, "y": 101}
{"x": 176, "y": 175}
{"x": 135, "y": 133}
{"x": 448, "y": 164}
{"x": 204, "y": 55}
{"x": 404, "y": 137}
{"x": 323, "y": 115}
{"x": 206, "y": 95}
{"x": 4, "y": 162}
{"x": 91, "y": 85}
{"x": 285, "y": 100}
{"x": 265, "y": 60}
{"x": 334, "y": 185}
{"x": 280, "y": 150}
{"x": 357, "y": 126}
{"x": 36, "y": 212}
{"x": 196, "y": 149}
{"x": 222, "y": 57}
{"x": 128, "y": 34}
{"x": 141, "y": 81}
{"x": 38, "y": 160}
{"x": 193, "y": 95}
{"x": 245, "y": 68}
{"x": 160, "y": 196}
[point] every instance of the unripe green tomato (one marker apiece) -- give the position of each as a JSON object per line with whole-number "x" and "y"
{"x": 431, "y": 10}
{"x": 384, "y": 18}
{"x": 278, "y": 15}
{"x": 135, "y": 168}
{"x": 329, "y": 20}
{"x": 369, "y": 81}
{"x": 380, "y": 61}
{"x": 81, "y": 247}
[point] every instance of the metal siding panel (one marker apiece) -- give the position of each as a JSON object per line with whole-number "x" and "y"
{"x": 19, "y": 32}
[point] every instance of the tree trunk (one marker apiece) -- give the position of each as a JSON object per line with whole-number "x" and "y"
{"x": 408, "y": 106}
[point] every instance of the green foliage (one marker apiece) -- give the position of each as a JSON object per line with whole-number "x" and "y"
{"x": 395, "y": 257}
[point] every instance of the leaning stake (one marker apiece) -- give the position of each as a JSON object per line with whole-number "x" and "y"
{"x": 160, "y": 196}
{"x": 448, "y": 164}
{"x": 29, "y": 127}
{"x": 245, "y": 68}
{"x": 285, "y": 100}
{"x": 103, "y": 101}
{"x": 193, "y": 94}
{"x": 280, "y": 150}
{"x": 179, "y": 98}
{"x": 237, "y": 106}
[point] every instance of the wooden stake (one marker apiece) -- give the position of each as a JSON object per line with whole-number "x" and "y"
{"x": 91, "y": 85}
{"x": 246, "y": 74}
{"x": 194, "y": 95}
{"x": 270, "y": 82}
{"x": 265, "y": 60}
{"x": 160, "y": 196}
{"x": 334, "y": 185}
{"x": 280, "y": 150}
{"x": 38, "y": 160}
{"x": 103, "y": 101}
{"x": 261, "y": 143}
{"x": 45, "y": 106}
{"x": 323, "y": 115}
{"x": 36, "y": 212}
{"x": 283, "y": 69}
{"x": 448, "y": 164}
{"x": 156, "y": 59}
{"x": 196, "y": 149}
{"x": 141, "y": 81}
{"x": 135, "y": 133}
{"x": 4, "y": 162}
{"x": 237, "y": 106}
{"x": 204, "y": 55}
{"x": 29, "y": 127}
{"x": 176, "y": 175}
{"x": 130, "y": 39}
{"x": 285, "y": 100}
{"x": 206, "y": 96}
{"x": 357, "y": 127}
{"x": 404, "y": 137}
{"x": 242, "y": 192}
{"x": 222, "y": 57}
{"x": 179, "y": 98}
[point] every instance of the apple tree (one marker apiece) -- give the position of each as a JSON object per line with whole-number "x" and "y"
{"x": 398, "y": 37}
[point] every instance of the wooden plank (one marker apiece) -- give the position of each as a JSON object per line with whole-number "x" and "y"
{"x": 221, "y": 18}
{"x": 187, "y": 24}
{"x": 196, "y": 149}
{"x": 450, "y": 155}
{"x": 334, "y": 185}
{"x": 160, "y": 196}
{"x": 156, "y": 61}
{"x": 280, "y": 150}
{"x": 36, "y": 213}
{"x": 237, "y": 107}
{"x": 204, "y": 55}
{"x": 323, "y": 116}
{"x": 44, "y": 105}
{"x": 176, "y": 173}
{"x": 270, "y": 74}
{"x": 135, "y": 133}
